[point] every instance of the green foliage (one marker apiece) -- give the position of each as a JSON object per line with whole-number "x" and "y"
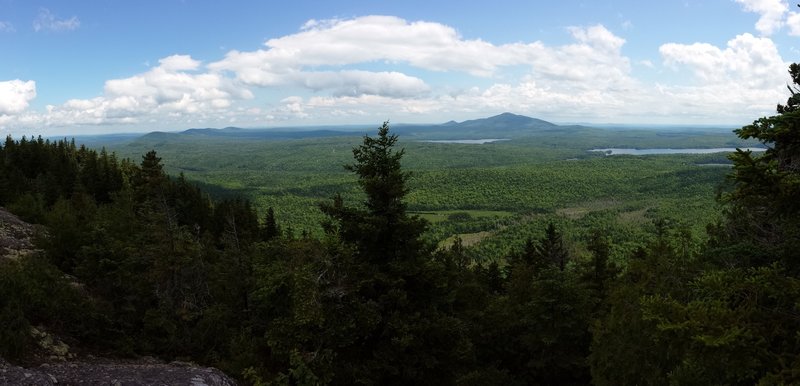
{"x": 368, "y": 307}
{"x": 530, "y": 175}
{"x": 764, "y": 202}
{"x": 36, "y": 173}
{"x": 354, "y": 291}
{"x": 726, "y": 313}
{"x": 15, "y": 336}
{"x": 382, "y": 232}
{"x": 35, "y": 293}
{"x": 626, "y": 348}
{"x": 736, "y": 328}
{"x": 271, "y": 228}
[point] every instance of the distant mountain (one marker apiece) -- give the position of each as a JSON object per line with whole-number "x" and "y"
{"x": 212, "y": 131}
{"x": 507, "y": 121}
{"x": 235, "y": 132}
{"x": 505, "y": 125}
{"x": 502, "y": 126}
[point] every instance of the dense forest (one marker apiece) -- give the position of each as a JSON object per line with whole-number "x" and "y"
{"x": 135, "y": 262}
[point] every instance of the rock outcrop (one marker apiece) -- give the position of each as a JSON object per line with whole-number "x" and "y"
{"x": 15, "y": 375}
{"x": 15, "y": 236}
{"x": 105, "y": 372}
{"x": 62, "y": 367}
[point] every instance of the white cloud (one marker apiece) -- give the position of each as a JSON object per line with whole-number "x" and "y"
{"x": 48, "y": 21}
{"x": 6, "y": 26}
{"x": 793, "y": 22}
{"x": 334, "y": 71}
{"x": 355, "y": 82}
{"x": 771, "y": 13}
{"x": 172, "y": 89}
{"x": 290, "y": 60}
{"x": 425, "y": 45}
{"x": 591, "y": 80}
{"x": 15, "y": 95}
{"x": 747, "y": 60}
{"x": 581, "y": 76}
{"x": 595, "y": 62}
{"x": 178, "y": 63}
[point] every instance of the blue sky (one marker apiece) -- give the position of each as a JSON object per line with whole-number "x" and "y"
{"x": 80, "y": 67}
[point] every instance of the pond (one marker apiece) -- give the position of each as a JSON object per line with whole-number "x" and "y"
{"x": 468, "y": 141}
{"x": 617, "y": 151}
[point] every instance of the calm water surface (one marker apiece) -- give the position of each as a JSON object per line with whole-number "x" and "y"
{"x": 469, "y": 141}
{"x": 616, "y": 151}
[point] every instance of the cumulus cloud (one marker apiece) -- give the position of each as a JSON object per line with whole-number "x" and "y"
{"x": 595, "y": 62}
{"x": 47, "y": 21}
{"x": 591, "y": 79}
{"x": 527, "y": 97}
{"x": 174, "y": 88}
{"x": 332, "y": 71}
{"x": 356, "y": 82}
{"x": 15, "y": 95}
{"x": 749, "y": 60}
{"x": 793, "y": 22}
{"x": 587, "y": 72}
{"x": 771, "y": 13}
{"x": 425, "y": 45}
{"x": 595, "y": 56}
{"x": 178, "y": 63}
{"x": 740, "y": 81}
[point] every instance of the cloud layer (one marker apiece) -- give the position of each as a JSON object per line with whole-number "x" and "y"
{"x": 375, "y": 67}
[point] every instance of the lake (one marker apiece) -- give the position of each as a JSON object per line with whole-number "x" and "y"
{"x": 617, "y": 151}
{"x": 468, "y": 141}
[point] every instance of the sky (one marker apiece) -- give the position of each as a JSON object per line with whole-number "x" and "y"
{"x": 114, "y": 66}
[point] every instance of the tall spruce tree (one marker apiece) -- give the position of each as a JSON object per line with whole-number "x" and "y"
{"x": 271, "y": 229}
{"x": 381, "y": 230}
{"x": 373, "y": 309}
{"x": 765, "y": 204}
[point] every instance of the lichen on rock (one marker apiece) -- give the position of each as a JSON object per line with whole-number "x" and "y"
{"x": 107, "y": 372}
{"x": 16, "y": 236}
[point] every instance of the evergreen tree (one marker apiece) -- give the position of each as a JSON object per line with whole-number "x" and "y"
{"x": 374, "y": 307}
{"x": 551, "y": 248}
{"x": 271, "y": 229}
{"x": 382, "y": 230}
{"x": 764, "y": 207}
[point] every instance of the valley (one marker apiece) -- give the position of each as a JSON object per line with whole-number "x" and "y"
{"x": 508, "y": 188}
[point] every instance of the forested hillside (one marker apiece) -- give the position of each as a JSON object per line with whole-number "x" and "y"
{"x": 135, "y": 262}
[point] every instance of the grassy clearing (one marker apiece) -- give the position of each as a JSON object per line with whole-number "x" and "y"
{"x": 438, "y": 216}
{"x": 467, "y": 239}
{"x": 578, "y": 211}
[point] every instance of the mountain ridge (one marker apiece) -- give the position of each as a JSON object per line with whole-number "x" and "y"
{"x": 505, "y": 125}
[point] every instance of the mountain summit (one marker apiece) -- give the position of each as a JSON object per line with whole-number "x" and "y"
{"x": 506, "y": 121}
